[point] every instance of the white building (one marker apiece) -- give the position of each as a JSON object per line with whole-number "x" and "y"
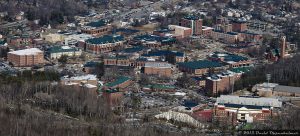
{"x": 58, "y": 51}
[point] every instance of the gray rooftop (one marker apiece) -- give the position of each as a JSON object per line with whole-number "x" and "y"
{"x": 290, "y": 89}
{"x": 246, "y": 100}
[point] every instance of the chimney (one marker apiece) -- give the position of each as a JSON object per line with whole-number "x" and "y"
{"x": 282, "y": 46}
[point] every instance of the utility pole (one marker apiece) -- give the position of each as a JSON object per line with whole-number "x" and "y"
{"x": 268, "y": 76}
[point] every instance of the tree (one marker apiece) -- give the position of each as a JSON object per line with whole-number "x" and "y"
{"x": 185, "y": 81}
{"x": 63, "y": 59}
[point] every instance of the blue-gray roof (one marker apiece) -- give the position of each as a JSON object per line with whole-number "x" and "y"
{"x": 192, "y": 17}
{"x": 163, "y": 53}
{"x": 200, "y": 64}
{"x": 106, "y": 39}
{"x": 91, "y": 64}
{"x": 133, "y": 49}
{"x": 126, "y": 30}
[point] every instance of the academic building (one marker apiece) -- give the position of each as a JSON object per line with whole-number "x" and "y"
{"x": 26, "y": 57}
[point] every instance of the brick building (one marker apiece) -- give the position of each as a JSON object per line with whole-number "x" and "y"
{"x": 165, "y": 55}
{"x": 26, "y": 57}
{"x": 199, "y": 67}
{"x": 239, "y": 26}
{"x": 113, "y": 97}
{"x": 207, "y": 31}
{"x": 221, "y": 83}
{"x": 19, "y": 40}
{"x": 153, "y": 41}
{"x": 158, "y": 68}
{"x": 118, "y": 61}
{"x": 120, "y": 83}
{"x": 102, "y": 44}
{"x": 180, "y": 31}
{"x": 229, "y": 37}
{"x": 97, "y": 28}
{"x": 250, "y": 37}
{"x": 193, "y": 22}
{"x": 237, "y": 109}
{"x": 273, "y": 89}
{"x": 230, "y": 59}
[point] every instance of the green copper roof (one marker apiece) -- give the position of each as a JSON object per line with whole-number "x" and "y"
{"x": 118, "y": 81}
{"x": 200, "y": 64}
{"x": 57, "y": 49}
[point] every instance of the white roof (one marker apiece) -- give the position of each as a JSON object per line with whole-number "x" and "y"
{"x": 31, "y": 51}
{"x": 84, "y": 77}
{"x": 158, "y": 64}
{"x": 256, "y": 101}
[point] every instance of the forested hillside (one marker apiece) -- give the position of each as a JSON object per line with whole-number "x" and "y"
{"x": 284, "y": 72}
{"x": 38, "y": 107}
{"x": 48, "y": 11}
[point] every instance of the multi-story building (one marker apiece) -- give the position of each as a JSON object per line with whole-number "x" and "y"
{"x": 229, "y": 37}
{"x": 248, "y": 109}
{"x": 165, "y": 55}
{"x": 153, "y": 41}
{"x": 206, "y": 31}
{"x": 180, "y": 31}
{"x": 221, "y": 83}
{"x": 24, "y": 39}
{"x": 97, "y": 28}
{"x": 102, "y": 44}
{"x": 249, "y": 36}
{"x": 158, "y": 68}
{"x": 230, "y": 59}
{"x": 239, "y": 26}
{"x": 26, "y": 57}
{"x": 199, "y": 67}
{"x": 118, "y": 61}
{"x": 58, "y": 51}
{"x": 193, "y": 22}
{"x": 273, "y": 89}
{"x": 120, "y": 83}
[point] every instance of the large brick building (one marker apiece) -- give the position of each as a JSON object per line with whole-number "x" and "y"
{"x": 153, "y": 41}
{"x": 102, "y": 44}
{"x": 165, "y": 55}
{"x": 221, "y": 83}
{"x": 237, "y": 109}
{"x": 180, "y": 31}
{"x": 229, "y": 37}
{"x": 239, "y": 26}
{"x": 97, "y": 28}
{"x": 193, "y": 22}
{"x": 230, "y": 59}
{"x": 274, "y": 90}
{"x": 26, "y": 57}
{"x": 158, "y": 68}
{"x": 199, "y": 67}
{"x": 118, "y": 61}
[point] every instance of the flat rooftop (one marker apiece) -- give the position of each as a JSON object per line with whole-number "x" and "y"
{"x": 31, "y": 51}
{"x": 201, "y": 64}
{"x": 250, "y": 101}
{"x": 106, "y": 39}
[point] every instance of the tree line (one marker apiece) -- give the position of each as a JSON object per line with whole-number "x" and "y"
{"x": 47, "y": 11}
{"x": 284, "y": 72}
